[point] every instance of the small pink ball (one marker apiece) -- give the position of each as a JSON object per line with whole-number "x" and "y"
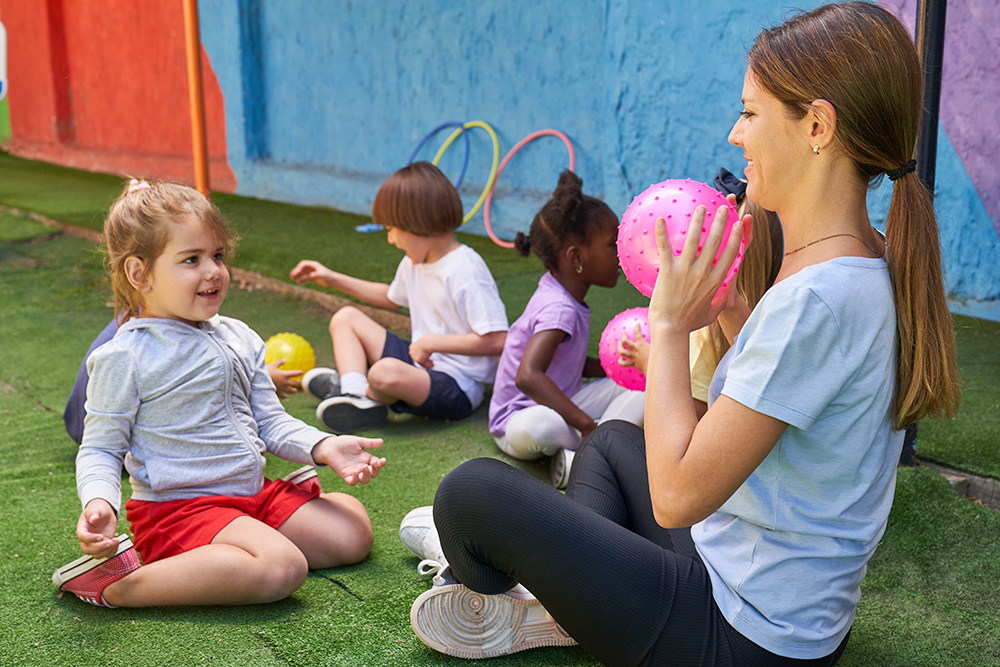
{"x": 674, "y": 200}
{"x": 607, "y": 350}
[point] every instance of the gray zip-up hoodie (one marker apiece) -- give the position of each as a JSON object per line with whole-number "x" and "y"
{"x": 189, "y": 411}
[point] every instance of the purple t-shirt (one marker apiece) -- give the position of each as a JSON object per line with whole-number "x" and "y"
{"x": 551, "y": 307}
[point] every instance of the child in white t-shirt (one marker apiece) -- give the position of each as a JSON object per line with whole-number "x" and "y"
{"x": 458, "y": 322}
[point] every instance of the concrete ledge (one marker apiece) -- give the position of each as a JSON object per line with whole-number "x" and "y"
{"x": 975, "y": 487}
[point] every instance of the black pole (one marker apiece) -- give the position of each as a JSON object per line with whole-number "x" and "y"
{"x": 930, "y": 46}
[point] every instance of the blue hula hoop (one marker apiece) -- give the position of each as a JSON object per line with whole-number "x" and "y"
{"x": 429, "y": 135}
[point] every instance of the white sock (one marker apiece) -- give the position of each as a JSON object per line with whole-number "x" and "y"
{"x": 354, "y": 383}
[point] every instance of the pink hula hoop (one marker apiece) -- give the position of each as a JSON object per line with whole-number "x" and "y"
{"x": 503, "y": 163}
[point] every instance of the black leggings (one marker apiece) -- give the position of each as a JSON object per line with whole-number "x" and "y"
{"x": 631, "y": 592}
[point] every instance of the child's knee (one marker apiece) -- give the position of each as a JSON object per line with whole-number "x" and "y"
{"x": 349, "y": 538}
{"x": 345, "y": 317}
{"x": 531, "y": 435}
{"x": 281, "y": 574}
{"x": 386, "y": 375}
{"x": 359, "y": 536}
{"x": 357, "y": 544}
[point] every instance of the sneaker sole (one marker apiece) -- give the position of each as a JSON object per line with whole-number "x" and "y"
{"x": 301, "y": 475}
{"x": 559, "y": 476}
{"x": 343, "y": 418}
{"x": 85, "y": 564}
{"x": 457, "y": 621}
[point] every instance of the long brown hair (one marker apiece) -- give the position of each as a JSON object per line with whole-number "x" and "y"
{"x": 859, "y": 57}
{"x": 759, "y": 267}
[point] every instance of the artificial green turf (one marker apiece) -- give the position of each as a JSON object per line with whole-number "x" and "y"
{"x": 929, "y": 598}
{"x": 972, "y": 440}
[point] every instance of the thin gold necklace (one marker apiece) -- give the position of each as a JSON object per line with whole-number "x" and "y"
{"x": 833, "y": 236}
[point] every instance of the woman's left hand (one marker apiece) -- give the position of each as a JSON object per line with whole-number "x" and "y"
{"x": 686, "y": 295}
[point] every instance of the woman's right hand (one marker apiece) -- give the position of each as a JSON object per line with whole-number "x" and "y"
{"x": 686, "y": 295}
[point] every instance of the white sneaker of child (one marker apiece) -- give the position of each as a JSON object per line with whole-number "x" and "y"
{"x": 560, "y": 467}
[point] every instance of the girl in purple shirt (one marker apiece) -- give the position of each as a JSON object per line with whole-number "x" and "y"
{"x": 540, "y": 405}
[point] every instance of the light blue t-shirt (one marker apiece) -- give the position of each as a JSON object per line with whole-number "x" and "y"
{"x": 787, "y": 552}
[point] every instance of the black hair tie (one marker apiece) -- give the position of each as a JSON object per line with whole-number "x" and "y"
{"x": 907, "y": 168}
{"x": 728, "y": 184}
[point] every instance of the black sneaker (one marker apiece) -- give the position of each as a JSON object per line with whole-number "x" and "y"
{"x": 348, "y": 413}
{"x": 321, "y": 383}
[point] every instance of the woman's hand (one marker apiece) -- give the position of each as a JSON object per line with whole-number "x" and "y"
{"x": 686, "y": 295}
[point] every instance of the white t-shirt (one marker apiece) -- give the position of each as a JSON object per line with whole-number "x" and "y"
{"x": 453, "y": 295}
{"x": 787, "y": 552}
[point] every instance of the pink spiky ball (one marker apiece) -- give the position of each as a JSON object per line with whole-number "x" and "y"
{"x": 607, "y": 350}
{"x": 674, "y": 200}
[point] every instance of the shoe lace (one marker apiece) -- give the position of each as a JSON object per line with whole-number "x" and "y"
{"x": 431, "y": 566}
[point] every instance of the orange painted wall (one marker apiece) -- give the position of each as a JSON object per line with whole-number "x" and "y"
{"x": 102, "y": 85}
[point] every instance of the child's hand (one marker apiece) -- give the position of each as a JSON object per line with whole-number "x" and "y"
{"x": 633, "y": 352}
{"x": 283, "y": 382}
{"x": 348, "y": 456}
{"x": 586, "y": 429}
{"x": 307, "y": 270}
{"x": 421, "y": 351}
{"x": 96, "y": 529}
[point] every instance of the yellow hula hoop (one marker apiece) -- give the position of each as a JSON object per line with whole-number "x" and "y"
{"x": 493, "y": 170}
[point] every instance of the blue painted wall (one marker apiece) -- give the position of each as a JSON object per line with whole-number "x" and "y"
{"x": 325, "y": 99}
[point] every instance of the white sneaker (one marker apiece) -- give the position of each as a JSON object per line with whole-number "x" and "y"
{"x": 560, "y": 466}
{"x": 348, "y": 413}
{"x": 321, "y": 383}
{"x": 418, "y": 534}
{"x": 457, "y": 621}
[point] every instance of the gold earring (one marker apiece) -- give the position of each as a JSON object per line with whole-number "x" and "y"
{"x": 579, "y": 268}
{"x": 816, "y": 149}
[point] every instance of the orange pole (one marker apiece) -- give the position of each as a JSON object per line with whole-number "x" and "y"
{"x": 196, "y": 95}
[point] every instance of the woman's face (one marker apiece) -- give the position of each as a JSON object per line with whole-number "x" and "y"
{"x": 773, "y": 146}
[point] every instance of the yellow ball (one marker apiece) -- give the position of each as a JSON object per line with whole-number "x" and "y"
{"x": 294, "y": 349}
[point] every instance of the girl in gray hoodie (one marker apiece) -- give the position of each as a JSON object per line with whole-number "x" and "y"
{"x": 181, "y": 397}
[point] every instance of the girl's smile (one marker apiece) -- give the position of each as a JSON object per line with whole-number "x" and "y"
{"x": 189, "y": 280}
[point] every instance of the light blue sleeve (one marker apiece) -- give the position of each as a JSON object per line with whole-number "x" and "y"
{"x": 112, "y": 405}
{"x": 789, "y": 363}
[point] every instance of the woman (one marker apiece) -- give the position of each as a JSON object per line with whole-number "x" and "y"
{"x": 742, "y": 538}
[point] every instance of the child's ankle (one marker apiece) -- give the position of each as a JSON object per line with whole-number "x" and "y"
{"x": 354, "y": 383}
